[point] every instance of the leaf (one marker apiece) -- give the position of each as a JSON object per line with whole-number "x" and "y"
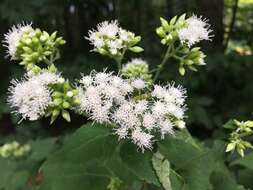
{"x": 41, "y": 148}
{"x": 90, "y": 157}
{"x": 222, "y": 181}
{"x": 14, "y": 173}
{"x": 162, "y": 168}
{"x": 190, "y": 162}
{"x": 230, "y": 125}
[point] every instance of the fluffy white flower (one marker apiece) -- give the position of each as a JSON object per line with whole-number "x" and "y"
{"x": 125, "y": 115}
{"x": 122, "y": 132}
{"x": 46, "y": 78}
{"x": 159, "y": 109}
{"x": 141, "y": 106}
{"x": 158, "y": 92}
{"x": 197, "y": 29}
{"x": 139, "y": 84}
{"x": 100, "y": 114}
{"x": 141, "y": 139}
{"x": 149, "y": 121}
{"x": 107, "y": 98}
{"x": 30, "y": 98}
{"x": 12, "y": 38}
{"x": 86, "y": 81}
{"x": 166, "y": 128}
{"x": 175, "y": 111}
{"x": 109, "y": 29}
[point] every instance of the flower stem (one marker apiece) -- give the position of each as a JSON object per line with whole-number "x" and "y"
{"x": 161, "y": 66}
{"x": 119, "y": 60}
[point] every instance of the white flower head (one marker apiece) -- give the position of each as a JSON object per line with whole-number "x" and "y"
{"x": 142, "y": 139}
{"x": 30, "y": 98}
{"x": 149, "y": 121}
{"x": 158, "y": 92}
{"x": 122, "y": 132}
{"x": 141, "y": 106}
{"x": 86, "y": 81}
{"x": 196, "y": 30}
{"x": 46, "y": 78}
{"x": 12, "y": 38}
{"x": 109, "y": 29}
{"x": 100, "y": 114}
{"x": 166, "y": 128}
{"x": 139, "y": 84}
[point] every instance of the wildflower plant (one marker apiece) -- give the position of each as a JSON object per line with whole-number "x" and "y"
{"x": 138, "y": 124}
{"x": 238, "y": 137}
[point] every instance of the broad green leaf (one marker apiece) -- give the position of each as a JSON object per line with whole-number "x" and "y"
{"x": 222, "y": 181}
{"x": 162, "y": 168}
{"x": 90, "y": 157}
{"x": 193, "y": 164}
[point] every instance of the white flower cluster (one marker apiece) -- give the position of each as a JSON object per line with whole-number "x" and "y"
{"x": 110, "y": 37}
{"x": 31, "y": 96}
{"x": 196, "y": 30}
{"x": 12, "y": 38}
{"x": 108, "y": 98}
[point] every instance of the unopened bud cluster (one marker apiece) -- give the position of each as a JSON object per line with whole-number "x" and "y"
{"x": 31, "y": 46}
{"x": 137, "y": 68}
{"x": 14, "y": 149}
{"x": 237, "y": 141}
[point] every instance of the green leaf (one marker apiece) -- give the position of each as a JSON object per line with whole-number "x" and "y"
{"x": 222, "y": 181}
{"x": 230, "y": 124}
{"x": 190, "y": 162}
{"x": 162, "y": 168}
{"x": 90, "y": 157}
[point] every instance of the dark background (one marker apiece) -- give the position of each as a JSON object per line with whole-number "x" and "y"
{"x": 218, "y": 92}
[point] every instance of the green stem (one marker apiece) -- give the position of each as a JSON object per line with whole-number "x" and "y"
{"x": 119, "y": 60}
{"x": 164, "y": 60}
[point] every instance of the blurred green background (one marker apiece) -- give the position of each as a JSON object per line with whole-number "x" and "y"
{"x": 218, "y": 92}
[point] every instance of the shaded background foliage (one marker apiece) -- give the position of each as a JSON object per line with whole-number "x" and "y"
{"x": 218, "y": 92}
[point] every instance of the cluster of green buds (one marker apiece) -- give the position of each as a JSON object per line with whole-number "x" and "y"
{"x": 237, "y": 141}
{"x": 111, "y": 40}
{"x": 14, "y": 149}
{"x": 137, "y": 68}
{"x": 38, "y": 46}
{"x": 179, "y": 35}
{"x": 64, "y": 97}
{"x": 191, "y": 58}
{"x": 168, "y": 31}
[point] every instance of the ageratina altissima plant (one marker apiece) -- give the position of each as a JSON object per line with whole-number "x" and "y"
{"x": 128, "y": 100}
